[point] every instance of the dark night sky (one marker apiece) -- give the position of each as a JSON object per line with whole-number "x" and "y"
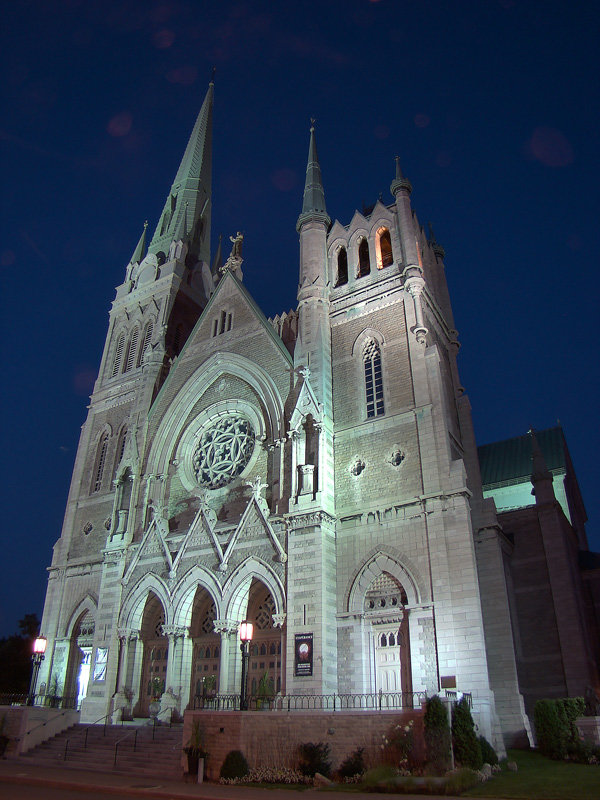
{"x": 492, "y": 106}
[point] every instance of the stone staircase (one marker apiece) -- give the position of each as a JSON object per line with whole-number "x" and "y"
{"x": 130, "y": 749}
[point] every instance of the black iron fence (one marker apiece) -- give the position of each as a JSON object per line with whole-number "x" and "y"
{"x": 45, "y": 700}
{"x": 374, "y": 701}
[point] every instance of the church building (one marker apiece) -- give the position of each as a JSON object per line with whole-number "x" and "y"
{"x": 315, "y": 474}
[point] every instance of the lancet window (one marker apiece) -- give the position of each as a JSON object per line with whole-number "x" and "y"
{"x": 373, "y": 378}
{"x": 100, "y": 462}
{"x": 385, "y": 256}
{"x": 222, "y": 323}
{"x": 364, "y": 263}
{"x": 342, "y": 267}
{"x": 149, "y": 330}
{"x": 132, "y": 350}
{"x": 118, "y": 355}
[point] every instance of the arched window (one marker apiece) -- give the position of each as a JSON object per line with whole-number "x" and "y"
{"x": 149, "y": 330}
{"x": 392, "y": 640}
{"x": 383, "y": 640}
{"x": 373, "y": 378}
{"x": 132, "y": 350}
{"x": 118, "y": 355}
{"x": 342, "y": 267}
{"x": 385, "y": 257}
{"x": 100, "y": 461}
{"x": 364, "y": 264}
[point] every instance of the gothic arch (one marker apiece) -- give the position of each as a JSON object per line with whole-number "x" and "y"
{"x": 379, "y": 563}
{"x": 185, "y": 591}
{"x": 219, "y": 364}
{"x": 134, "y": 604}
{"x": 89, "y": 603}
{"x": 237, "y": 587}
{"x": 367, "y": 333}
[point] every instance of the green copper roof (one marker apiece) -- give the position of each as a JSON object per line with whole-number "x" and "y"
{"x": 186, "y": 214}
{"x": 511, "y": 459}
{"x": 140, "y": 250}
{"x": 313, "y": 203}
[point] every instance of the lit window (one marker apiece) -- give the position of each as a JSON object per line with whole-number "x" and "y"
{"x": 385, "y": 257}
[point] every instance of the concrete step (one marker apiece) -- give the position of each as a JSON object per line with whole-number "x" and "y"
{"x": 157, "y": 752}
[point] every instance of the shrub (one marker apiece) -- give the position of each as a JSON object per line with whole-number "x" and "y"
{"x": 569, "y": 709}
{"x": 437, "y": 735}
{"x": 314, "y": 758}
{"x": 467, "y": 750}
{"x": 235, "y": 765}
{"x": 353, "y": 765}
{"x": 550, "y": 729}
{"x": 398, "y": 743}
{"x": 488, "y": 753}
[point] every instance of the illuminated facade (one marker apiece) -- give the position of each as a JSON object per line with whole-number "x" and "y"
{"x": 315, "y": 473}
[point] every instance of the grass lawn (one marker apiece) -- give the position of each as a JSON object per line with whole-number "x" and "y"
{"x": 540, "y": 778}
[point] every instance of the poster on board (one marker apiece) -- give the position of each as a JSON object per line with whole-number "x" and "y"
{"x": 303, "y": 655}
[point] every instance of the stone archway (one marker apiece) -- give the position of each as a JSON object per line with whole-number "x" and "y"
{"x": 155, "y": 654}
{"x": 80, "y": 658}
{"x": 265, "y": 651}
{"x": 206, "y": 648}
{"x": 387, "y": 616}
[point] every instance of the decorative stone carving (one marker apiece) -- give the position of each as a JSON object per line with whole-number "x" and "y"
{"x": 224, "y": 448}
{"x": 357, "y": 467}
{"x": 306, "y": 478}
{"x": 174, "y": 631}
{"x": 226, "y": 625}
{"x": 278, "y": 620}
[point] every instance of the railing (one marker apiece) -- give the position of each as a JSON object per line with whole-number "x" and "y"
{"x": 40, "y": 700}
{"x": 85, "y": 732}
{"x": 134, "y": 733}
{"x": 374, "y": 701}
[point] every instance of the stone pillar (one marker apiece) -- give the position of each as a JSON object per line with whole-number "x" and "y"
{"x": 187, "y": 658}
{"x": 230, "y": 664}
{"x": 279, "y": 622}
{"x": 170, "y": 699}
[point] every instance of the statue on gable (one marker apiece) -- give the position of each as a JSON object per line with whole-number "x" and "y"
{"x": 234, "y": 262}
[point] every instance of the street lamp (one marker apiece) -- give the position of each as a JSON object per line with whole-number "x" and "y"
{"x": 245, "y": 638}
{"x": 39, "y": 648}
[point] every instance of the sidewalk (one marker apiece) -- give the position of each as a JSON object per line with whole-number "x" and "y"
{"x": 15, "y": 772}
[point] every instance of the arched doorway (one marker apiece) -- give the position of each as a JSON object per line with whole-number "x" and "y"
{"x": 80, "y": 658}
{"x": 206, "y": 653}
{"x": 156, "y": 654}
{"x": 385, "y": 608}
{"x": 264, "y": 665}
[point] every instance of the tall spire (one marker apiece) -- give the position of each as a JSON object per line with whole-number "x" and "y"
{"x": 186, "y": 214}
{"x": 313, "y": 203}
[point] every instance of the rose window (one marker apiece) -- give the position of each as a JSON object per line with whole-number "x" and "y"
{"x": 223, "y": 450}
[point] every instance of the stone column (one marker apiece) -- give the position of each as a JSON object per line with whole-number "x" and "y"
{"x": 230, "y": 664}
{"x": 169, "y": 702}
{"x": 279, "y": 622}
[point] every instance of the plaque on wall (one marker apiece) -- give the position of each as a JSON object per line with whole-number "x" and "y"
{"x": 303, "y": 655}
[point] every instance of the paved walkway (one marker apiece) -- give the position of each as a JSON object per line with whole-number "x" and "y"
{"x": 15, "y": 772}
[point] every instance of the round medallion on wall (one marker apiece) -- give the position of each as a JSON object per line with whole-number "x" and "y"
{"x": 224, "y": 448}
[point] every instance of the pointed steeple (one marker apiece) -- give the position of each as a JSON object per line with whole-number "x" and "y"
{"x": 400, "y": 182}
{"x": 186, "y": 214}
{"x": 313, "y": 203}
{"x": 140, "y": 250}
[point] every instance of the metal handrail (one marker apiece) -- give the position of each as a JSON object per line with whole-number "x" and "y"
{"x": 133, "y": 732}
{"x": 86, "y": 731}
{"x": 42, "y": 724}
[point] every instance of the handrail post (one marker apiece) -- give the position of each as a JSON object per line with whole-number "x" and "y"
{"x": 87, "y": 730}
{"x": 66, "y": 748}
{"x": 135, "y": 740}
{"x": 116, "y": 748}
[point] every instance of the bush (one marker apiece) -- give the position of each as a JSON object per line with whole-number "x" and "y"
{"x": 353, "y": 765}
{"x": 314, "y": 758}
{"x": 488, "y": 753}
{"x": 437, "y": 735}
{"x": 235, "y": 765}
{"x": 398, "y": 744}
{"x": 550, "y": 729}
{"x": 467, "y": 750}
{"x": 569, "y": 709}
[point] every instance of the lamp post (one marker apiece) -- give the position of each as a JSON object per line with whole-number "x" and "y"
{"x": 245, "y": 638}
{"x": 39, "y": 648}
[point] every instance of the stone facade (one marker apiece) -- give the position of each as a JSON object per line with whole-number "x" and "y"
{"x": 315, "y": 474}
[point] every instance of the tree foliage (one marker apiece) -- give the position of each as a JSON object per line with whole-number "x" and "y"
{"x": 467, "y": 750}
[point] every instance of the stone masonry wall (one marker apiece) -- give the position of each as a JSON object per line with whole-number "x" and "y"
{"x": 271, "y": 738}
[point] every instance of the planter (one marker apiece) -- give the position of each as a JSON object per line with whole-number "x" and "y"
{"x": 196, "y": 766}
{"x": 154, "y": 708}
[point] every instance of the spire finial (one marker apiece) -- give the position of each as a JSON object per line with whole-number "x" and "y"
{"x": 313, "y": 203}
{"x": 399, "y": 182}
{"x": 140, "y": 249}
